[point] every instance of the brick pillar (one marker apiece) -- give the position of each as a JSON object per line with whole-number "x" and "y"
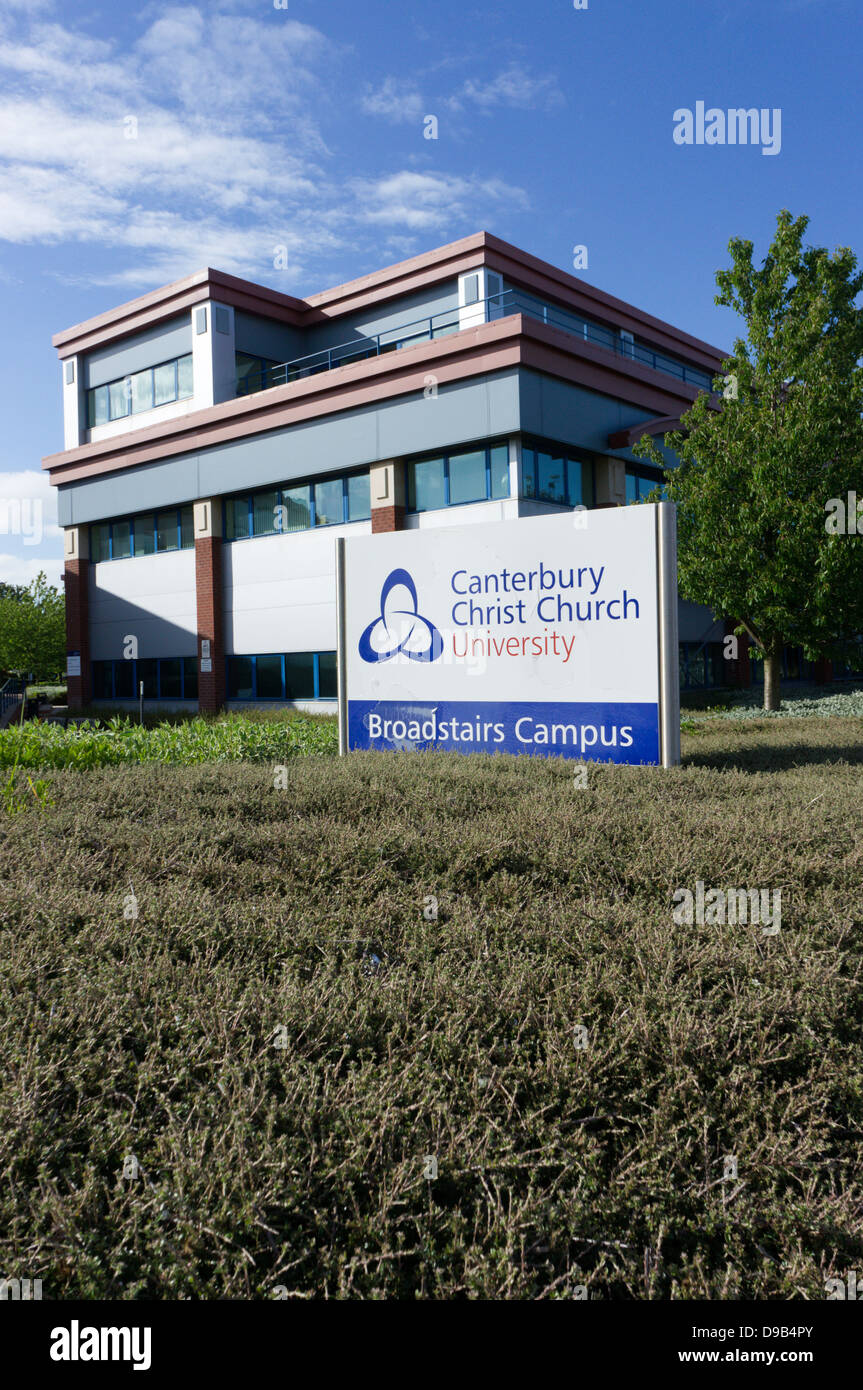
{"x": 739, "y": 672}
{"x": 387, "y": 493}
{"x": 76, "y": 578}
{"x": 208, "y": 592}
{"x": 822, "y": 671}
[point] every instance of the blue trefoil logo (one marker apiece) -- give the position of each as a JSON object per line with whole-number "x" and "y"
{"x": 401, "y": 630}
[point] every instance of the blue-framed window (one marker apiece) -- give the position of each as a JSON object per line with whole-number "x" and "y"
{"x": 638, "y": 488}
{"x": 140, "y": 391}
{"x": 298, "y": 507}
{"x": 282, "y": 676}
{"x": 165, "y": 678}
{"x": 450, "y": 480}
{"x": 147, "y": 533}
{"x": 551, "y": 474}
{"x": 257, "y": 373}
{"x": 702, "y": 665}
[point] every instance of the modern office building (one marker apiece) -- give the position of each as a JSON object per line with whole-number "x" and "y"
{"x": 219, "y": 435}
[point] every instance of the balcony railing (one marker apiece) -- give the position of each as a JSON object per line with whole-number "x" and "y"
{"x": 439, "y": 325}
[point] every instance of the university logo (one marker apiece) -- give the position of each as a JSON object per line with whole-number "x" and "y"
{"x": 401, "y": 630}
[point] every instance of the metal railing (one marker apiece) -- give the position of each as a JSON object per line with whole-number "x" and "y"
{"x": 448, "y": 321}
{"x": 11, "y": 693}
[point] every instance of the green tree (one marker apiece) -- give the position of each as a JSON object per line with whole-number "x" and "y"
{"x": 761, "y": 478}
{"x": 33, "y": 629}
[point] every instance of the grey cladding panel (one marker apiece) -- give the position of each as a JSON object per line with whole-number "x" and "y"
{"x": 462, "y": 412}
{"x": 170, "y": 339}
{"x": 264, "y": 338}
{"x": 164, "y": 484}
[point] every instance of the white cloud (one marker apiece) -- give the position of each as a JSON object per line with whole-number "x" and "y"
{"x": 409, "y": 199}
{"x": 15, "y": 569}
{"x": 514, "y": 87}
{"x": 395, "y": 100}
{"x": 226, "y": 163}
{"x": 29, "y": 533}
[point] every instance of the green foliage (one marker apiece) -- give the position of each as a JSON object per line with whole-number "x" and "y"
{"x": 756, "y": 476}
{"x": 301, "y": 1167}
{"x": 232, "y": 739}
{"x": 33, "y": 629}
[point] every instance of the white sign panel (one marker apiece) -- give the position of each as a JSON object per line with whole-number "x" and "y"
{"x": 539, "y": 636}
{"x": 73, "y": 663}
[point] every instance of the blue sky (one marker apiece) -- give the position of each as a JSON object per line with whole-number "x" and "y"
{"x": 257, "y": 127}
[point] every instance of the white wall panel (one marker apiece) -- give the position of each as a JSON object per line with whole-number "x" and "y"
{"x": 151, "y": 598}
{"x": 280, "y": 591}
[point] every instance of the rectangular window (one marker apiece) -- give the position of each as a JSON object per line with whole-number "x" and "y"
{"x": 124, "y": 680}
{"x": 297, "y": 504}
{"x": 100, "y": 542}
{"x": 121, "y": 540}
{"x": 190, "y": 678}
{"x": 102, "y": 689}
{"x": 575, "y": 483}
{"x": 264, "y": 515}
{"x": 426, "y": 487}
{"x": 329, "y": 502}
{"x": 145, "y": 536}
{"x": 119, "y": 394}
{"x": 467, "y": 482}
{"x": 237, "y": 518}
{"x": 187, "y": 527}
{"x": 471, "y": 289}
{"x": 98, "y": 406}
{"x": 148, "y": 672}
{"x": 631, "y": 488}
{"x": 327, "y": 676}
{"x": 167, "y": 536}
{"x": 499, "y": 460}
{"x": 359, "y": 500}
{"x": 165, "y": 383}
{"x": 551, "y": 478}
{"x": 528, "y": 472}
{"x": 185, "y": 377}
{"x": 269, "y": 677}
{"x": 142, "y": 391}
{"x": 299, "y": 676}
{"x": 170, "y": 678}
{"x": 239, "y": 678}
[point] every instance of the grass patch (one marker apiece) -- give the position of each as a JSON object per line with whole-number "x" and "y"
{"x": 299, "y": 916}
{"x": 182, "y": 742}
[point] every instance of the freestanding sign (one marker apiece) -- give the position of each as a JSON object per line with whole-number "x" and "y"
{"x": 553, "y": 635}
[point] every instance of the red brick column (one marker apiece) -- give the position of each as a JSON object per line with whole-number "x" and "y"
{"x": 76, "y": 579}
{"x": 739, "y": 672}
{"x": 387, "y": 519}
{"x": 387, "y": 492}
{"x": 823, "y": 671}
{"x": 208, "y": 592}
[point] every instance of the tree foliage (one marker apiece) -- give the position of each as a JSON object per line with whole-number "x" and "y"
{"x": 33, "y": 629}
{"x": 758, "y": 475}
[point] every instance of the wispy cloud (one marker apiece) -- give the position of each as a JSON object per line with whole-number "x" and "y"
{"x": 147, "y": 149}
{"x": 395, "y": 100}
{"x": 516, "y": 87}
{"x": 429, "y": 200}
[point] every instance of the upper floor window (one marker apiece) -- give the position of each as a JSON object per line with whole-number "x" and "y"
{"x": 639, "y": 488}
{"x": 478, "y": 475}
{"x": 145, "y": 390}
{"x": 550, "y": 475}
{"x": 298, "y": 507}
{"x": 256, "y": 373}
{"x": 148, "y": 533}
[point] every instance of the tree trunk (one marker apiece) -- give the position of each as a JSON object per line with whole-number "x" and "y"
{"x": 773, "y": 675}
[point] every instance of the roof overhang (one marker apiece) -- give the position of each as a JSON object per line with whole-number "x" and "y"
{"x": 506, "y": 343}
